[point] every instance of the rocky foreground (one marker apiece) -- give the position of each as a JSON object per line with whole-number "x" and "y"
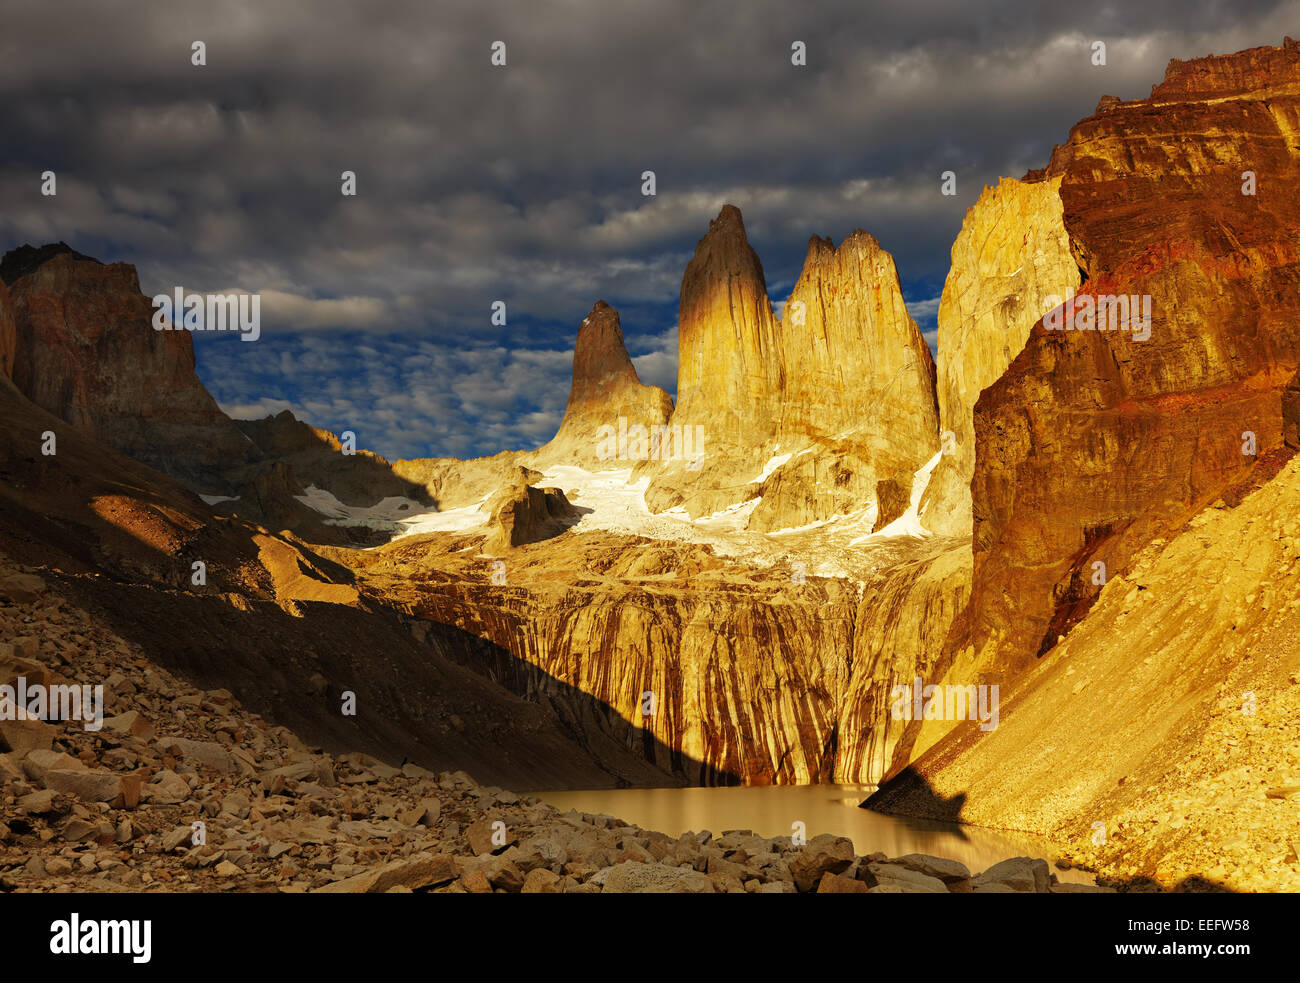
{"x": 182, "y": 790}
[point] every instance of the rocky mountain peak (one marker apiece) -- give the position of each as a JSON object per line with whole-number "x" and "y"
{"x": 857, "y": 383}
{"x": 845, "y": 369}
{"x": 85, "y": 350}
{"x": 605, "y": 390}
{"x": 27, "y": 259}
{"x": 819, "y": 244}
{"x": 601, "y": 363}
{"x": 728, "y": 362}
{"x": 729, "y": 218}
{"x": 1094, "y": 442}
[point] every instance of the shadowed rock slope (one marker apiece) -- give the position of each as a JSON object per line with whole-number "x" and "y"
{"x": 270, "y": 618}
{"x": 77, "y": 338}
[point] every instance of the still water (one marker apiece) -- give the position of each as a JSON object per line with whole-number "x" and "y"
{"x": 773, "y": 811}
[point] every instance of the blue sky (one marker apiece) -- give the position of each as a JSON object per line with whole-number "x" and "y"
{"x": 397, "y": 391}
{"x": 522, "y": 182}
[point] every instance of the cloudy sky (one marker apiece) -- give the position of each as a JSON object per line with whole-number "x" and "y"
{"x": 522, "y": 183}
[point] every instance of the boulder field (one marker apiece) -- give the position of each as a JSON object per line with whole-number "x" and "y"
{"x": 184, "y": 790}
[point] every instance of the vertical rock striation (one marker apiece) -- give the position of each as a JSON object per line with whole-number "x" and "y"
{"x": 1095, "y": 442}
{"x": 744, "y": 686}
{"x": 1011, "y": 257}
{"x": 858, "y": 391}
{"x": 711, "y": 670}
{"x": 809, "y": 413}
{"x": 899, "y": 635}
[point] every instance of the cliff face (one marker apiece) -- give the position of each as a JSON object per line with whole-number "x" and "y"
{"x": 728, "y": 353}
{"x": 1011, "y": 257}
{"x": 851, "y": 354}
{"x": 756, "y": 675}
{"x": 810, "y": 413}
{"x": 729, "y": 376}
{"x": 1170, "y": 715}
{"x": 605, "y": 390}
{"x": 87, "y": 352}
{"x": 743, "y": 689}
{"x": 1095, "y": 442}
{"x": 901, "y": 628}
{"x": 8, "y": 334}
{"x": 858, "y": 389}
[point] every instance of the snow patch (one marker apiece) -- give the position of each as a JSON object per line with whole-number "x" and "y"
{"x": 613, "y": 502}
{"x": 389, "y": 515}
{"x": 616, "y": 504}
{"x": 909, "y": 523}
{"x": 864, "y": 516}
{"x": 769, "y": 467}
{"x": 465, "y": 518}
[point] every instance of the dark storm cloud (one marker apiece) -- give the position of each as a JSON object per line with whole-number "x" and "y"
{"x": 523, "y": 183}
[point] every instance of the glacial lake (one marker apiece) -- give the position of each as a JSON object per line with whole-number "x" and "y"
{"x": 773, "y": 810}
